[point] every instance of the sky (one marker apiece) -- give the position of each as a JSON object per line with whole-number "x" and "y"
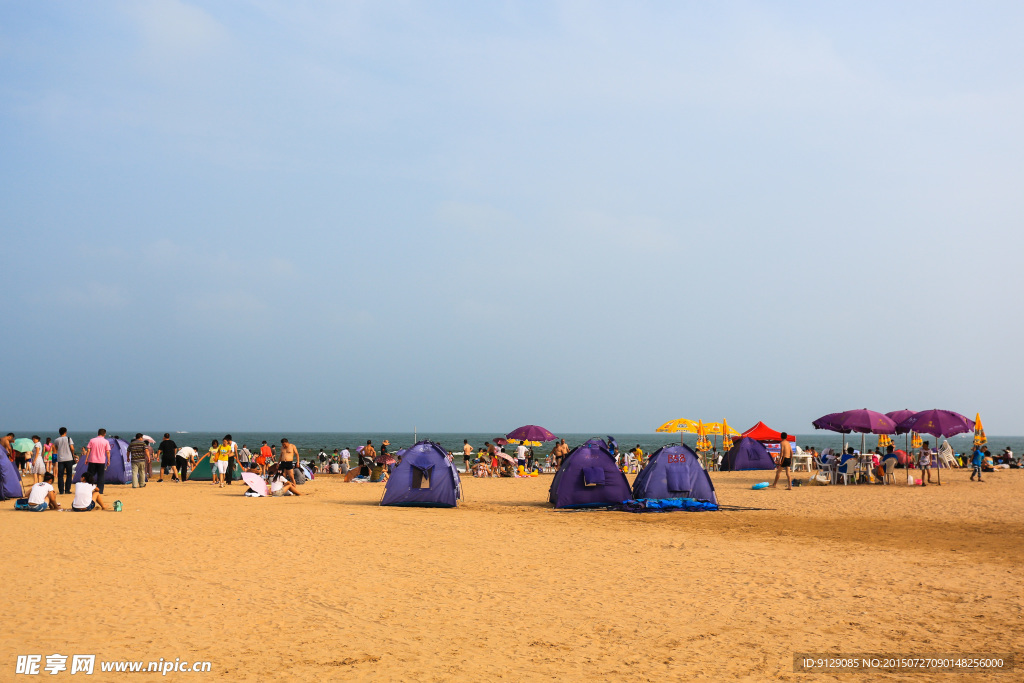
{"x": 464, "y": 216}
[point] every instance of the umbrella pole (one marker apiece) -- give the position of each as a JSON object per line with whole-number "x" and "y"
{"x": 938, "y": 463}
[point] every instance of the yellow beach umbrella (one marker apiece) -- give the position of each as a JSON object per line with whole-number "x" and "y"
{"x": 719, "y": 428}
{"x": 728, "y": 431}
{"x": 536, "y": 444}
{"x": 979, "y": 431}
{"x": 703, "y": 444}
{"x": 884, "y": 441}
{"x": 915, "y": 440}
{"x": 680, "y": 425}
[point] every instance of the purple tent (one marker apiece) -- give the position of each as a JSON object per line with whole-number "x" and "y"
{"x": 424, "y": 478}
{"x": 10, "y": 478}
{"x": 674, "y": 472}
{"x": 588, "y": 477}
{"x": 119, "y": 471}
{"x": 747, "y": 454}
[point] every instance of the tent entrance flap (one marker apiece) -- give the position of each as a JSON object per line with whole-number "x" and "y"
{"x": 420, "y": 478}
{"x": 593, "y": 476}
{"x": 677, "y": 480}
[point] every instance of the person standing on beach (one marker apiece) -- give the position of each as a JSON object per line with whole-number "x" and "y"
{"x": 65, "y": 449}
{"x": 232, "y": 457}
{"x": 346, "y": 460}
{"x": 924, "y": 462}
{"x": 36, "y": 462}
{"x": 244, "y": 457}
{"x": 785, "y": 461}
{"x": 99, "y": 457}
{"x": 467, "y": 454}
{"x": 289, "y": 456}
{"x": 521, "y": 455}
{"x": 265, "y": 456}
{"x": 168, "y": 452}
{"x": 139, "y": 454}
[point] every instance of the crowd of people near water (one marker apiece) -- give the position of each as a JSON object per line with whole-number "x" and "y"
{"x": 50, "y": 463}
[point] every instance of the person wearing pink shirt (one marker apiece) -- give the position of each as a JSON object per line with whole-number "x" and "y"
{"x": 99, "y": 457}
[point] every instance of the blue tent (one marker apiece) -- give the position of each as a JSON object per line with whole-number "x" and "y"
{"x": 747, "y": 454}
{"x": 674, "y": 472}
{"x": 588, "y": 477}
{"x": 119, "y": 471}
{"x": 10, "y": 478}
{"x": 424, "y": 478}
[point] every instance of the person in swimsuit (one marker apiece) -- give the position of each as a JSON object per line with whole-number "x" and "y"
{"x": 785, "y": 461}
{"x": 289, "y": 456}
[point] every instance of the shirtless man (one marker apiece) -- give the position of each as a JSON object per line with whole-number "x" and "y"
{"x": 467, "y": 454}
{"x": 785, "y": 460}
{"x": 289, "y": 456}
{"x": 369, "y": 453}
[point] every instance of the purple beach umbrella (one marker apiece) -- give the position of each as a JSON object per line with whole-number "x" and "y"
{"x": 899, "y": 416}
{"x": 866, "y": 421}
{"x": 831, "y": 423}
{"x": 936, "y": 422}
{"x": 530, "y": 433}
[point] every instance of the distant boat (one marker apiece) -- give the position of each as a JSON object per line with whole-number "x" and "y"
{"x": 181, "y": 432}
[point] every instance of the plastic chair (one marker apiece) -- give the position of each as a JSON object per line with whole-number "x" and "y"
{"x": 848, "y": 470}
{"x": 890, "y": 471}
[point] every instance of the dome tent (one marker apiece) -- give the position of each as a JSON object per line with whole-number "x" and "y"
{"x": 588, "y": 477}
{"x": 747, "y": 454}
{"x": 424, "y": 478}
{"x": 674, "y": 472}
{"x": 10, "y": 478}
{"x": 119, "y": 471}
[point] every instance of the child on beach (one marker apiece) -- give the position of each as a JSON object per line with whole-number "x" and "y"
{"x": 924, "y": 463}
{"x": 978, "y": 456}
{"x": 213, "y": 454}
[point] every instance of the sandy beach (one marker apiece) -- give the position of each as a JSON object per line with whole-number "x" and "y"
{"x": 333, "y": 587}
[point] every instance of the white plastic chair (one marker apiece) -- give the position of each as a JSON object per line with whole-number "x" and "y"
{"x": 890, "y": 471}
{"x": 847, "y": 471}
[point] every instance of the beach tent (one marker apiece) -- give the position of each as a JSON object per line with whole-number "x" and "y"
{"x": 597, "y": 443}
{"x": 203, "y": 470}
{"x": 674, "y": 472}
{"x": 10, "y": 478}
{"x": 588, "y": 477}
{"x": 119, "y": 471}
{"x": 424, "y": 478}
{"x": 763, "y": 432}
{"x": 747, "y": 454}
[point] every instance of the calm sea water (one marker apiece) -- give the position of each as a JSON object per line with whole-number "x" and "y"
{"x": 309, "y": 443}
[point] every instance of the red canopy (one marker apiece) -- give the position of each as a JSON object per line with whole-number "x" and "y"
{"x": 762, "y": 432}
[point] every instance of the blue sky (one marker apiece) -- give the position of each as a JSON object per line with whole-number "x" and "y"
{"x": 470, "y": 216}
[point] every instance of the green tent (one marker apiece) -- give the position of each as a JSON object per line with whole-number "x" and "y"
{"x": 203, "y": 470}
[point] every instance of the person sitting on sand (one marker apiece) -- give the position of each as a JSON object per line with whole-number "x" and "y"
{"x": 87, "y": 497}
{"x": 41, "y": 496}
{"x": 280, "y": 485}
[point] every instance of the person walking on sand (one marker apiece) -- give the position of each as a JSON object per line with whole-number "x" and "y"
{"x": 976, "y": 459}
{"x": 98, "y": 458}
{"x": 65, "y": 449}
{"x": 225, "y": 452}
{"x": 168, "y": 452}
{"x": 785, "y": 461}
{"x": 290, "y": 456}
{"x": 49, "y": 457}
{"x": 244, "y": 457}
{"x": 265, "y": 456}
{"x": 139, "y": 454}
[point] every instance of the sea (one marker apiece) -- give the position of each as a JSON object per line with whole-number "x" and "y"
{"x": 310, "y": 443}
